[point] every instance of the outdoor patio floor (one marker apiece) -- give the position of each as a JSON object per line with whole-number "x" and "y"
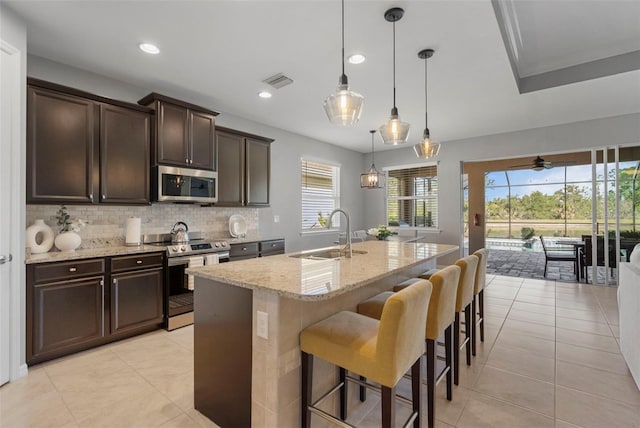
{"x": 530, "y": 264}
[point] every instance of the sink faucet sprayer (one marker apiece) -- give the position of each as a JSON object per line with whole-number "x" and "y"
{"x": 347, "y": 247}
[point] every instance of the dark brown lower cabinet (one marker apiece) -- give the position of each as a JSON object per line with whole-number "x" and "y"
{"x": 70, "y": 308}
{"x": 67, "y": 315}
{"x": 136, "y": 299}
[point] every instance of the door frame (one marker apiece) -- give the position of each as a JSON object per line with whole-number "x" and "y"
{"x": 14, "y": 69}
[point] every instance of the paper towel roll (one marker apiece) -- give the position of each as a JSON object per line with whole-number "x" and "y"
{"x": 132, "y": 231}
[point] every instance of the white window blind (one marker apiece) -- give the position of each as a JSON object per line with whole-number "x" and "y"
{"x": 412, "y": 197}
{"x": 320, "y": 193}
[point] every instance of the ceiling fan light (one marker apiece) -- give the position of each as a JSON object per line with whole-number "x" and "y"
{"x": 427, "y": 148}
{"x": 395, "y": 131}
{"x": 538, "y": 168}
{"x": 343, "y": 107}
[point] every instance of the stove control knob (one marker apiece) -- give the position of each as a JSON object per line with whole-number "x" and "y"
{"x": 183, "y": 248}
{"x": 217, "y": 244}
{"x": 173, "y": 249}
{"x": 224, "y": 243}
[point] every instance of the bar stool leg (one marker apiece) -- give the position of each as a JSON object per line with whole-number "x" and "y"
{"x": 363, "y": 390}
{"x": 473, "y": 326}
{"x": 416, "y": 383}
{"x": 343, "y": 393}
{"x": 307, "y": 378}
{"x": 456, "y": 349}
{"x": 431, "y": 382}
{"x": 448, "y": 351}
{"x": 388, "y": 407}
{"x": 467, "y": 331}
{"x": 481, "y": 310}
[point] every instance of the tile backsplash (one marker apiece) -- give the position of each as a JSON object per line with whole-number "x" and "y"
{"x": 106, "y": 224}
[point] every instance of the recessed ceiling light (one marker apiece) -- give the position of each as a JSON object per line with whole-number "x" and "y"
{"x": 149, "y": 48}
{"x": 356, "y": 59}
{"x": 264, "y": 94}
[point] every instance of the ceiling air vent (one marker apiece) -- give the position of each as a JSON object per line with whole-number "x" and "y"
{"x": 278, "y": 80}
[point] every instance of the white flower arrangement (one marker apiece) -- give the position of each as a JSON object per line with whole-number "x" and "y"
{"x": 68, "y": 224}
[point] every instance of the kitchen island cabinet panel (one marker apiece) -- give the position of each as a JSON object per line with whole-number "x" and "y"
{"x": 67, "y": 315}
{"x": 124, "y": 155}
{"x": 61, "y": 147}
{"x": 136, "y": 299}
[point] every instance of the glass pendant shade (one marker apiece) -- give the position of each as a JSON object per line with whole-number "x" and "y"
{"x": 395, "y": 131}
{"x": 427, "y": 148}
{"x": 343, "y": 107}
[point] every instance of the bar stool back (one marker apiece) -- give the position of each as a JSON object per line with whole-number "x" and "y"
{"x": 468, "y": 267}
{"x": 478, "y": 297}
{"x": 379, "y": 350}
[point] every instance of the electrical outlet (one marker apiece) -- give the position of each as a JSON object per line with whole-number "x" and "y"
{"x": 263, "y": 325}
{"x": 276, "y": 219}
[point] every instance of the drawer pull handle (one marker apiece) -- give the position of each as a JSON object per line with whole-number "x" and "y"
{"x": 139, "y": 262}
{"x": 72, "y": 269}
{"x": 244, "y": 248}
{"x": 273, "y": 245}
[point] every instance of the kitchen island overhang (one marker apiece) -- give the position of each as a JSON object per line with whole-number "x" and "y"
{"x": 243, "y": 379}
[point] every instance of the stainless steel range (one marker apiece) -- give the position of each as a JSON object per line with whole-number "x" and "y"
{"x": 179, "y": 286}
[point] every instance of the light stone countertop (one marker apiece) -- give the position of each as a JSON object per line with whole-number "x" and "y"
{"x": 313, "y": 279}
{"x": 57, "y": 256}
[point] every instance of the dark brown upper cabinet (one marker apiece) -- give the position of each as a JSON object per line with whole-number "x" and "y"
{"x": 244, "y": 168}
{"x": 82, "y": 148}
{"x": 184, "y": 133}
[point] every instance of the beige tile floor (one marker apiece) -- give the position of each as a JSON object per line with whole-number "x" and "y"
{"x": 550, "y": 359}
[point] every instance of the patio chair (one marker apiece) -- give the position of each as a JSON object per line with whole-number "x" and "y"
{"x": 558, "y": 254}
{"x": 587, "y": 258}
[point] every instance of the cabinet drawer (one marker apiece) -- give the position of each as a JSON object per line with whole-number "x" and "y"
{"x": 67, "y": 270}
{"x": 138, "y": 261}
{"x": 270, "y": 248}
{"x": 244, "y": 250}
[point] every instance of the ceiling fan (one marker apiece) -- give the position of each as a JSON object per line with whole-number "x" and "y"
{"x": 539, "y": 164}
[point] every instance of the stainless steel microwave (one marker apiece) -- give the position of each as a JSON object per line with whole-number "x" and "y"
{"x": 174, "y": 184}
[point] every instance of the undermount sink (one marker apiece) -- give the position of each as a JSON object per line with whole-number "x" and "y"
{"x": 325, "y": 254}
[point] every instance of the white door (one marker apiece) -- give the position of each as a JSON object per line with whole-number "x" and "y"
{"x": 8, "y": 120}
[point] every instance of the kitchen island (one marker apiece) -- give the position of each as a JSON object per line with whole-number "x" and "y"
{"x": 249, "y": 314}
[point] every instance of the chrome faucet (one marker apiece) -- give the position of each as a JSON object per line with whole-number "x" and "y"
{"x": 347, "y": 247}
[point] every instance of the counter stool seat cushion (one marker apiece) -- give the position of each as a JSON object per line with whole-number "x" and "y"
{"x": 378, "y": 350}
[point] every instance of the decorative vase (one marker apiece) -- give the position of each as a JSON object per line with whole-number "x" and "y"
{"x": 68, "y": 241}
{"x": 39, "y": 237}
{"x": 634, "y": 258}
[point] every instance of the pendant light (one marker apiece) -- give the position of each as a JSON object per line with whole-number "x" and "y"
{"x": 427, "y": 148}
{"x": 343, "y": 107}
{"x": 394, "y": 131}
{"x": 372, "y": 179}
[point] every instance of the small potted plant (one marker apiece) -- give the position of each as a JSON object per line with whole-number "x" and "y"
{"x": 68, "y": 239}
{"x": 381, "y": 232}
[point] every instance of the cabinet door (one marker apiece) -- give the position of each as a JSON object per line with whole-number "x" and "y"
{"x": 258, "y": 172}
{"x": 61, "y": 148}
{"x": 136, "y": 299}
{"x": 230, "y": 169}
{"x": 66, "y": 315}
{"x": 202, "y": 139}
{"x": 124, "y": 155}
{"x": 173, "y": 143}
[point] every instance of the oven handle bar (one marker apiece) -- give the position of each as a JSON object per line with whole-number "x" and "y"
{"x": 223, "y": 256}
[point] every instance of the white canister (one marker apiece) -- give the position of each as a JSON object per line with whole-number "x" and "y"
{"x": 39, "y": 237}
{"x": 132, "y": 231}
{"x": 634, "y": 258}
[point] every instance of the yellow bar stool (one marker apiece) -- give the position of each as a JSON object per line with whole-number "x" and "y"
{"x": 478, "y": 297}
{"x": 468, "y": 267}
{"x": 379, "y": 350}
{"x": 440, "y": 319}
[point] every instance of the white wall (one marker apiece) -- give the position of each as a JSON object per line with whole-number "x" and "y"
{"x": 286, "y": 152}
{"x": 13, "y": 31}
{"x": 623, "y": 130}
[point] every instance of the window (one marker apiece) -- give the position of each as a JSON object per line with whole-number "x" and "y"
{"x": 320, "y": 194}
{"x": 412, "y": 197}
